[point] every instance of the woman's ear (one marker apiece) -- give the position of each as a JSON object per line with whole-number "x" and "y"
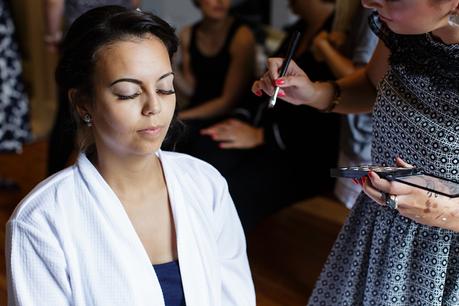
{"x": 453, "y": 18}
{"x": 456, "y": 8}
{"x": 74, "y": 97}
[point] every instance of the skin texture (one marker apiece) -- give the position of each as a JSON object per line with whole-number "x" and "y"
{"x": 412, "y": 16}
{"x": 133, "y": 104}
{"x": 358, "y": 95}
{"x": 235, "y": 134}
{"x": 126, "y": 107}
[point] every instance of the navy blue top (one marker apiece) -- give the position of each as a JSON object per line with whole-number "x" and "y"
{"x": 171, "y": 283}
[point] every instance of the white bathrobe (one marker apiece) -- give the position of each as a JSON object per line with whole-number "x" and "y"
{"x": 70, "y": 242}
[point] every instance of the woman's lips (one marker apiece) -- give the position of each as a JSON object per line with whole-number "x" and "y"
{"x": 151, "y": 131}
{"x": 383, "y": 18}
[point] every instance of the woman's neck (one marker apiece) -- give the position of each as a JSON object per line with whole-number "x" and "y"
{"x": 130, "y": 173}
{"x": 217, "y": 26}
{"x": 447, "y": 34}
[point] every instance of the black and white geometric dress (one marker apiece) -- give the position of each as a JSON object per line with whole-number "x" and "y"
{"x": 381, "y": 257}
{"x": 14, "y": 127}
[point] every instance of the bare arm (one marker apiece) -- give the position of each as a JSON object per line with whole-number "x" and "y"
{"x": 54, "y": 11}
{"x": 357, "y": 90}
{"x": 242, "y": 52}
{"x": 340, "y": 65}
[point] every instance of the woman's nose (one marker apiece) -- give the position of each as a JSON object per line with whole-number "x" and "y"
{"x": 152, "y": 105}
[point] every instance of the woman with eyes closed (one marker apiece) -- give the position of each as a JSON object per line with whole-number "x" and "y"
{"x": 128, "y": 224}
{"x": 400, "y": 244}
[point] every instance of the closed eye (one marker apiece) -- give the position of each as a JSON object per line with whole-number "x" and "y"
{"x": 165, "y": 92}
{"x": 121, "y": 97}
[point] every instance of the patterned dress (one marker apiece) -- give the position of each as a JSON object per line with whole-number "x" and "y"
{"x": 14, "y": 128}
{"x": 381, "y": 257}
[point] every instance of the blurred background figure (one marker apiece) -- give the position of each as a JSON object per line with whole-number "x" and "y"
{"x": 348, "y": 47}
{"x": 216, "y": 70}
{"x": 59, "y": 16}
{"x": 270, "y": 153}
{"x": 14, "y": 121}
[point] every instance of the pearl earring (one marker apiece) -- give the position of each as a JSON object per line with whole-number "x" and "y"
{"x": 453, "y": 20}
{"x": 87, "y": 119}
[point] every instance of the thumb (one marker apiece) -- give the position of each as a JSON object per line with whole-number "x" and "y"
{"x": 401, "y": 163}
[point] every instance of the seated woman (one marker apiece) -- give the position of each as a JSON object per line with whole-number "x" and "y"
{"x": 128, "y": 224}
{"x": 281, "y": 144}
{"x": 218, "y": 55}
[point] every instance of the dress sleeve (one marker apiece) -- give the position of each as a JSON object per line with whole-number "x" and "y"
{"x": 237, "y": 284}
{"x": 36, "y": 268}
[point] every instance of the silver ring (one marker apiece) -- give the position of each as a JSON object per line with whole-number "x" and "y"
{"x": 384, "y": 196}
{"x": 392, "y": 201}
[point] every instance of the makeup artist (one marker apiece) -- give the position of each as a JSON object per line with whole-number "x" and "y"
{"x": 400, "y": 244}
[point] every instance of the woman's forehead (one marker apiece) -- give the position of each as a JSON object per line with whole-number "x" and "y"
{"x": 134, "y": 55}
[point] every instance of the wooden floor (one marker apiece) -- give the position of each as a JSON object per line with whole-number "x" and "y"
{"x": 286, "y": 251}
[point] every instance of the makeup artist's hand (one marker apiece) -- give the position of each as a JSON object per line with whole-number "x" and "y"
{"x": 415, "y": 203}
{"x": 235, "y": 134}
{"x": 296, "y": 87}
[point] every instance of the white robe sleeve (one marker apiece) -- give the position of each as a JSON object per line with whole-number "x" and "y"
{"x": 36, "y": 267}
{"x": 238, "y": 288}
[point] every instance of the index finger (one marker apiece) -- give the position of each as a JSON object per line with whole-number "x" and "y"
{"x": 390, "y": 187}
{"x": 274, "y": 64}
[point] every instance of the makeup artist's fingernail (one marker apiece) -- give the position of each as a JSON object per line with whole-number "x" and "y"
{"x": 258, "y": 93}
{"x": 355, "y": 181}
{"x": 280, "y": 82}
{"x": 281, "y": 94}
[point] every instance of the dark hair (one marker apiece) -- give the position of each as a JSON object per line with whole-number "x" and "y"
{"x": 90, "y": 32}
{"x": 196, "y": 3}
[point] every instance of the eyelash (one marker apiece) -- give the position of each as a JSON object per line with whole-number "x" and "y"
{"x": 121, "y": 97}
{"x": 165, "y": 92}
{"x": 159, "y": 91}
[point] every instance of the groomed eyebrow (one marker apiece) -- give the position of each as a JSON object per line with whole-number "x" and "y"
{"x": 135, "y": 81}
{"x": 165, "y": 75}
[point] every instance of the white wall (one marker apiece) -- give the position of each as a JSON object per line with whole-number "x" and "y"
{"x": 280, "y": 14}
{"x": 183, "y": 12}
{"x": 177, "y": 12}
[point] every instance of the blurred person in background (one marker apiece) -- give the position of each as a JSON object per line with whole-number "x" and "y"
{"x": 14, "y": 108}
{"x": 346, "y": 48}
{"x": 270, "y": 151}
{"x": 217, "y": 66}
